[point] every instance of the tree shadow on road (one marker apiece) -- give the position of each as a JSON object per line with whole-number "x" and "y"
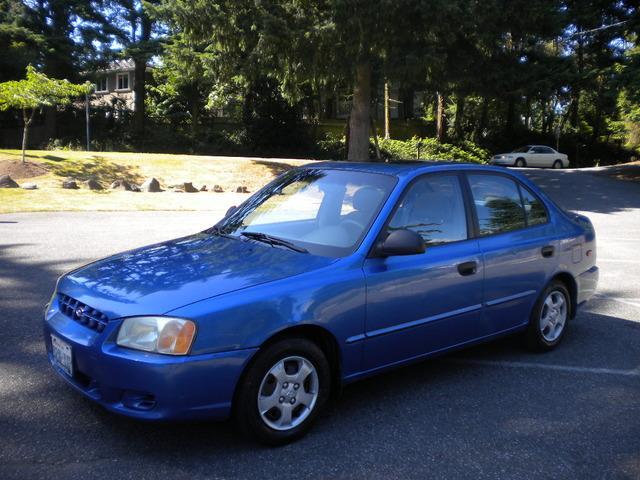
{"x": 585, "y": 191}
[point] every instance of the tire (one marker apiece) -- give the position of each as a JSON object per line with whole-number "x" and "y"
{"x": 259, "y": 387}
{"x": 542, "y": 318}
{"x": 520, "y": 163}
{"x": 557, "y": 164}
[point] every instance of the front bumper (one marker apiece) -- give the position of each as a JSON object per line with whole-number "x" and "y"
{"x": 146, "y": 385}
{"x": 508, "y": 162}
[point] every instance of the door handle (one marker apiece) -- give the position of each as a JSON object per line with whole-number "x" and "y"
{"x": 467, "y": 268}
{"x": 547, "y": 251}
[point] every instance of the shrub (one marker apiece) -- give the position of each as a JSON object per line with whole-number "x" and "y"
{"x": 333, "y": 147}
{"x": 431, "y": 149}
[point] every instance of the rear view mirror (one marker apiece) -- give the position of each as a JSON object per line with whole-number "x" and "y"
{"x": 401, "y": 242}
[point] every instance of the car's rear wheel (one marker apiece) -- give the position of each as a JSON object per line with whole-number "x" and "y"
{"x": 520, "y": 163}
{"x": 283, "y": 392}
{"x": 549, "y": 318}
{"x": 557, "y": 164}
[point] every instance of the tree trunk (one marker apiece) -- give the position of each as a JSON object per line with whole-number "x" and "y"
{"x": 577, "y": 86}
{"x": 441, "y": 118}
{"x": 457, "y": 125}
{"x": 140, "y": 73}
{"x": 484, "y": 116}
{"x": 139, "y": 91}
{"x": 25, "y": 132}
{"x": 387, "y": 114}
{"x": 360, "y": 114}
{"x": 374, "y": 131}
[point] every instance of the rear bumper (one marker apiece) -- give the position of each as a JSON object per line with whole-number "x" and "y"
{"x": 587, "y": 284}
{"x": 144, "y": 385}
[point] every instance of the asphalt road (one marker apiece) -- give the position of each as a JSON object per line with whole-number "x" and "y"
{"x": 491, "y": 412}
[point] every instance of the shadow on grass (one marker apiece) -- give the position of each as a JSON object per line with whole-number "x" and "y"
{"x": 276, "y": 168}
{"x": 97, "y": 168}
{"x": 53, "y": 158}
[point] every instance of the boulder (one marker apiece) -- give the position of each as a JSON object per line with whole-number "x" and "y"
{"x": 151, "y": 185}
{"x": 70, "y": 185}
{"x": 29, "y": 186}
{"x": 217, "y": 189}
{"x": 122, "y": 185}
{"x": 242, "y": 189}
{"x": 187, "y": 187}
{"x": 93, "y": 184}
{"x": 7, "y": 182}
{"x": 203, "y": 188}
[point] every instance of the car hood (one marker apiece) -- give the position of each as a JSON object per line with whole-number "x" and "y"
{"x": 165, "y": 276}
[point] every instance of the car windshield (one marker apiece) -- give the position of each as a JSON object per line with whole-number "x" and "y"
{"x": 524, "y": 149}
{"x": 323, "y": 211}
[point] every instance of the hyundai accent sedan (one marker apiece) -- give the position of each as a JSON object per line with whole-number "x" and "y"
{"x": 331, "y": 273}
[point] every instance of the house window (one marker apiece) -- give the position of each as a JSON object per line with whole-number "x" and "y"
{"x": 101, "y": 85}
{"x": 123, "y": 81}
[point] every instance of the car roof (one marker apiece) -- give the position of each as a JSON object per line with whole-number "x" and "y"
{"x": 405, "y": 168}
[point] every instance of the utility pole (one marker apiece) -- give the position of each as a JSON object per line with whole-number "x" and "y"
{"x": 387, "y": 133}
{"x": 86, "y": 114}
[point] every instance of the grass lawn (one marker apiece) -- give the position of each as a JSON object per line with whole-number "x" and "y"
{"x": 227, "y": 172}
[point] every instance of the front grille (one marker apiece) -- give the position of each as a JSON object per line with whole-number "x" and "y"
{"x": 81, "y": 313}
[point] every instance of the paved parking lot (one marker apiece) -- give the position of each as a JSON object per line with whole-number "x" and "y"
{"x": 491, "y": 412}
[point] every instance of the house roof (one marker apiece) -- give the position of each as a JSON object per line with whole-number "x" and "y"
{"x": 121, "y": 65}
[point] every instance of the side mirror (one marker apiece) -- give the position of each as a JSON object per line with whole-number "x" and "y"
{"x": 401, "y": 242}
{"x": 231, "y": 211}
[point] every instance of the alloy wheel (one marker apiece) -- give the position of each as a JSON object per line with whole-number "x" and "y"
{"x": 553, "y": 316}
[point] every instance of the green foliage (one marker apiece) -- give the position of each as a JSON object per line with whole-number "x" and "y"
{"x": 431, "y": 149}
{"x": 38, "y": 90}
{"x": 333, "y": 147}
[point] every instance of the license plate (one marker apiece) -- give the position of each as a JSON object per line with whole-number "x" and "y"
{"x": 62, "y": 355}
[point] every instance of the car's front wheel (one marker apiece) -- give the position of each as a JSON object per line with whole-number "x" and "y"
{"x": 283, "y": 392}
{"x": 549, "y": 318}
{"x": 557, "y": 164}
{"x": 521, "y": 163}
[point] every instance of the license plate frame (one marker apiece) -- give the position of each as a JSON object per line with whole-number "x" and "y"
{"x": 62, "y": 355}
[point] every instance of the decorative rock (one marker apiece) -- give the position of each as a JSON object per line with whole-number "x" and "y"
{"x": 121, "y": 185}
{"x": 188, "y": 187}
{"x": 242, "y": 189}
{"x": 151, "y": 185}
{"x": 217, "y": 189}
{"x": 7, "y": 182}
{"x": 93, "y": 184}
{"x": 70, "y": 185}
{"x": 29, "y": 186}
{"x": 203, "y": 188}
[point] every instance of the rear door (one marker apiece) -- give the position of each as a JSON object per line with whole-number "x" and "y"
{"x": 537, "y": 157}
{"x": 417, "y": 304}
{"x": 517, "y": 246}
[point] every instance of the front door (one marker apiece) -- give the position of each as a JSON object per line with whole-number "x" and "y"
{"x": 418, "y": 304}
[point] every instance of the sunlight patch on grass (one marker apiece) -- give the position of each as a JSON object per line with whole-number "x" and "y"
{"x": 227, "y": 172}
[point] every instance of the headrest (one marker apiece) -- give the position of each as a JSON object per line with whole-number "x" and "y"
{"x": 366, "y": 198}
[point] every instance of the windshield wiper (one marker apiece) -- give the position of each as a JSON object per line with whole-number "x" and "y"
{"x": 271, "y": 240}
{"x": 218, "y": 231}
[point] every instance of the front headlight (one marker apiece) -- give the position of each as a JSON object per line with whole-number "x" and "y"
{"x": 172, "y": 336}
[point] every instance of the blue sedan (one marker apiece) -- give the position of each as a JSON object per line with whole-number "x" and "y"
{"x": 331, "y": 273}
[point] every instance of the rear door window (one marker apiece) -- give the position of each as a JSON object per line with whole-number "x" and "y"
{"x": 497, "y": 203}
